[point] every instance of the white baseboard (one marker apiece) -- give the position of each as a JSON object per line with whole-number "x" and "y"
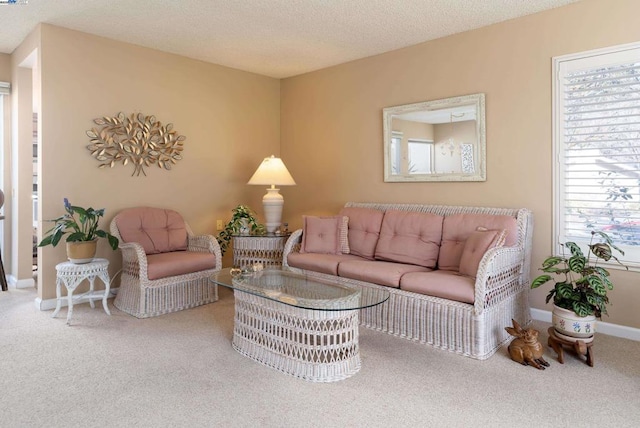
{"x": 49, "y": 304}
{"x": 14, "y": 282}
{"x": 601, "y": 327}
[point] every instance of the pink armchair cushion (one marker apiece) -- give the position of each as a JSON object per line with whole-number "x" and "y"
{"x": 174, "y": 263}
{"x": 476, "y": 245}
{"x": 324, "y": 235}
{"x": 364, "y": 229}
{"x": 156, "y": 229}
{"x": 458, "y": 227}
{"x": 410, "y": 237}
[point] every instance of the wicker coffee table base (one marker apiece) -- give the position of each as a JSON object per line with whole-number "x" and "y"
{"x": 314, "y": 345}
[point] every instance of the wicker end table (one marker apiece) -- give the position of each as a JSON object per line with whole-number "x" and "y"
{"x": 265, "y": 249}
{"x": 72, "y": 274}
{"x": 296, "y": 324}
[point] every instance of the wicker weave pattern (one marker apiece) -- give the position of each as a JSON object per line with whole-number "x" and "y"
{"x": 477, "y": 331}
{"x": 319, "y": 346}
{"x": 143, "y": 298}
{"x": 248, "y": 250}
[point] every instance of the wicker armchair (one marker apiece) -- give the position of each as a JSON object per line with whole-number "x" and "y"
{"x": 165, "y": 268}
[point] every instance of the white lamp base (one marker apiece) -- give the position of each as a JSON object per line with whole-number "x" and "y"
{"x": 272, "y": 204}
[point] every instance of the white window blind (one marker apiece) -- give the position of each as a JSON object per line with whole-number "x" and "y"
{"x": 597, "y": 143}
{"x": 5, "y": 88}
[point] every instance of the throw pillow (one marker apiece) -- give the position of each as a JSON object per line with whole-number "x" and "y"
{"x": 476, "y": 245}
{"x": 324, "y": 235}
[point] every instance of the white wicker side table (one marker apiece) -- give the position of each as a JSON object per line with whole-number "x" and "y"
{"x": 72, "y": 274}
{"x": 264, "y": 249}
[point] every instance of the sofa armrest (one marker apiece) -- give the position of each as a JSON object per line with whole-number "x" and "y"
{"x": 134, "y": 259}
{"x": 499, "y": 277}
{"x": 291, "y": 246}
{"x": 206, "y": 244}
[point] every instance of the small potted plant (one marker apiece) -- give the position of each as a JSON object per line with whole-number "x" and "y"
{"x": 580, "y": 293}
{"x": 243, "y": 221}
{"x": 82, "y": 226}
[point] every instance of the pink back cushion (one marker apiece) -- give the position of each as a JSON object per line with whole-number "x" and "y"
{"x": 156, "y": 229}
{"x": 410, "y": 237}
{"x": 458, "y": 227}
{"x": 364, "y": 229}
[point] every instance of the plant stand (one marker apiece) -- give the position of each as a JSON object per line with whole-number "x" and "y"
{"x": 72, "y": 274}
{"x": 579, "y": 346}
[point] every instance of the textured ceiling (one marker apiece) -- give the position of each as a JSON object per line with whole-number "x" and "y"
{"x": 278, "y": 38}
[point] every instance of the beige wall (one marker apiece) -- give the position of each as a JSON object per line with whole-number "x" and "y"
{"x": 331, "y": 120}
{"x": 5, "y": 67}
{"x": 230, "y": 119}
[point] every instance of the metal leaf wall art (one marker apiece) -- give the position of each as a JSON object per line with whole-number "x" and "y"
{"x": 135, "y": 139}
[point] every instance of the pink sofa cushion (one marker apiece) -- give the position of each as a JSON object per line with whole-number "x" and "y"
{"x": 324, "y": 263}
{"x": 458, "y": 227}
{"x": 444, "y": 284}
{"x": 364, "y": 229}
{"x": 325, "y": 235}
{"x": 410, "y": 237}
{"x": 377, "y": 272}
{"x": 156, "y": 229}
{"x": 164, "y": 265}
{"x": 476, "y": 245}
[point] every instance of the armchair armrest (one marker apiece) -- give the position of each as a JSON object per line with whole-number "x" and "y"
{"x": 291, "y": 246}
{"x": 205, "y": 244}
{"x": 134, "y": 259}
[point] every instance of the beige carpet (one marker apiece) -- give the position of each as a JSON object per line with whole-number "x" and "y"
{"x": 180, "y": 370}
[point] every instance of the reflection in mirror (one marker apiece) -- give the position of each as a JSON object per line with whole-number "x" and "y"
{"x": 441, "y": 140}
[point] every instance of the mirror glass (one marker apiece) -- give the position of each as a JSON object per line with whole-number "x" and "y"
{"x": 440, "y": 140}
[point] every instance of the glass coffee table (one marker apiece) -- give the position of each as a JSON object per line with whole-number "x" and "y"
{"x": 300, "y": 325}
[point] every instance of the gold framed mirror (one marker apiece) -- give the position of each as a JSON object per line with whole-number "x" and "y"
{"x": 440, "y": 140}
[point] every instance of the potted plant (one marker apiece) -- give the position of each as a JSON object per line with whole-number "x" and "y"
{"x": 82, "y": 226}
{"x": 243, "y": 221}
{"x": 580, "y": 293}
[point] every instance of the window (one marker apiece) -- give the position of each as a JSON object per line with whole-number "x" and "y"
{"x": 420, "y": 157}
{"x": 396, "y": 143}
{"x": 597, "y": 148}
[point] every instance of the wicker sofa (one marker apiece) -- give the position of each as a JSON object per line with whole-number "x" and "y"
{"x": 165, "y": 268}
{"x": 431, "y": 302}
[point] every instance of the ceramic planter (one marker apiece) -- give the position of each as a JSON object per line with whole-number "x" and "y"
{"x": 82, "y": 251}
{"x": 244, "y": 226}
{"x": 571, "y": 326}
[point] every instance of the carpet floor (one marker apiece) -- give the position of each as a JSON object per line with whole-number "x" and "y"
{"x": 179, "y": 370}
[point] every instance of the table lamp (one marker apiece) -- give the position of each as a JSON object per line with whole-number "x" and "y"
{"x": 272, "y": 172}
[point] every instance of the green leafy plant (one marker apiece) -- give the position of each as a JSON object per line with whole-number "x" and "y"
{"x": 242, "y": 215}
{"x": 80, "y": 223}
{"x": 583, "y": 285}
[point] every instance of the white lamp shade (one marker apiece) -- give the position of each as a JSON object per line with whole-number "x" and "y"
{"x": 272, "y": 172}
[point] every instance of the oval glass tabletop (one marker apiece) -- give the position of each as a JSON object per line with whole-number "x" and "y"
{"x": 302, "y": 291}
